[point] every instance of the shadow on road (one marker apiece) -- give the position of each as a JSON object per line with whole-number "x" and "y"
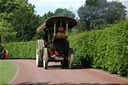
{"x": 48, "y": 83}
{"x": 60, "y": 67}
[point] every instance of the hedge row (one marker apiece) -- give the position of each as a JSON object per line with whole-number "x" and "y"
{"x": 21, "y": 50}
{"x": 105, "y": 49}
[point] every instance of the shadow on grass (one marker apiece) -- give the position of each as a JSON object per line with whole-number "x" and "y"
{"x": 48, "y": 83}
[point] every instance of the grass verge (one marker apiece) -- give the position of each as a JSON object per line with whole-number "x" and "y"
{"x": 7, "y": 72}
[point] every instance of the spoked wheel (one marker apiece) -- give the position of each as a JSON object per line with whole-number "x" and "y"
{"x": 39, "y": 53}
{"x": 70, "y": 58}
{"x": 45, "y": 58}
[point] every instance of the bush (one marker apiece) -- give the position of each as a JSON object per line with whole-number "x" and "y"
{"x": 106, "y": 49}
{"x": 21, "y": 50}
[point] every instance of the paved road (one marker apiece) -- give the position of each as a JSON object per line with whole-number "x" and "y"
{"x": 29, "y": 74}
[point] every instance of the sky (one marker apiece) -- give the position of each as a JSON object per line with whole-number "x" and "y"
{"x": 44, "y": 6}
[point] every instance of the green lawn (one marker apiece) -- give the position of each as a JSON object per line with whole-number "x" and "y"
{"x": 7, "y": 72}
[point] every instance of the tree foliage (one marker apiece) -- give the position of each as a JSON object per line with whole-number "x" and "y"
{"x": 58, "y": 12}
{"x": 21, "y": 15}
{"x": 7, "y": 9}
{"x": 64, "y": 12}
{"x": 47, "y": 15}
{"x": 7, "y": 34}
{"x": 95, "y": 14}
{"x": 115, "y": 12}
{"x": 25, "y": 23}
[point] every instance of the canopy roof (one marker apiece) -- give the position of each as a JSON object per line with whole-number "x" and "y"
{"x": 49, "y": 23}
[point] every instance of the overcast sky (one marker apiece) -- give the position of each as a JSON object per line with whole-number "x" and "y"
{"x": 43, "y": 6}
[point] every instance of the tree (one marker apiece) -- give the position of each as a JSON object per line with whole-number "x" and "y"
{"x": 115, "y": 12}
{"x": 64, "y": 12}
{"x": 58, "y": 12}
{"x": 25, "y": 22}
{"x": 95, "y": 14}
{"x": 7, "y": 34}
{"x": 91, "y": 13}
{"x": 21, "y": 15}
{"x": 7, "y": 9}
{"x": 47, "y": 15}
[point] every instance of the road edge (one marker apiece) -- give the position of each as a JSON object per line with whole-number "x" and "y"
{"x": 17, "y": 72}
{"x": 110, "y": 74}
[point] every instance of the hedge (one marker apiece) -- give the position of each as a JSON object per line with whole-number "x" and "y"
{"x": 105, "y": 49}
{"x": 21, "y": 50}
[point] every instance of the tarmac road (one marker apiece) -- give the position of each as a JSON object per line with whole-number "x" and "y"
{"x": 29, "y": 74}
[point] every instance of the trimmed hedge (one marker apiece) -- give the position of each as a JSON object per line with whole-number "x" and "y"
{"x": 105, "y": 49}
{"x": 21, "y": 50}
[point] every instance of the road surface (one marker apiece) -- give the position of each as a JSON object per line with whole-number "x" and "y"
{"x": 29, "y": 74}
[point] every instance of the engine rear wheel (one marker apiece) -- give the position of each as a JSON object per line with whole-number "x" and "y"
{"x": 39, "y": 53}
{"x": 45, "y": 58}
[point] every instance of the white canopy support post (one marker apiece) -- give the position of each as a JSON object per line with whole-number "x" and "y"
{"x": 67, "y": 29}
{"x": 60, "y": 23}
{"x": 54, "y": 29}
